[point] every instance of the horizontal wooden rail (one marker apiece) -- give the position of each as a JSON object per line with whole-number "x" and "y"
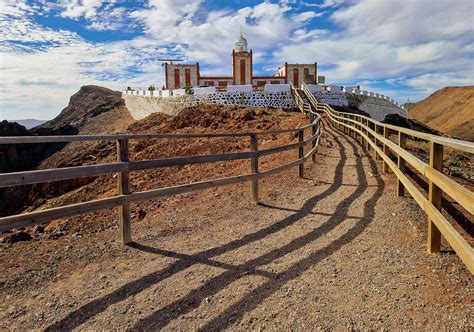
{"x": 446, "y": 141}
{"x": 38, "y": 217}
{"x": 59, "y": 174}
{"x": 124, "y": 166}
{"x": 83, "y": 138}
{"x": 456, "y": 191}
{"x": 180, "y": 161}
{"x": 68, "y": 173}
{"x": 369, "y": 130}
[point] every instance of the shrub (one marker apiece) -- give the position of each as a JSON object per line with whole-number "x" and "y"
{"x": 188, "y": 90}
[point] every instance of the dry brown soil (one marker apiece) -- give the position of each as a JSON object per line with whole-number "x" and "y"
{"x": 334, "y": 250}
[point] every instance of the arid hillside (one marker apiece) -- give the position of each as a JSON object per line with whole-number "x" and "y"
{"x": 449, "y": 110}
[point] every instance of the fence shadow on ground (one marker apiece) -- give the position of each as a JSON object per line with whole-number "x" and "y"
{"x": 163, "y": 316}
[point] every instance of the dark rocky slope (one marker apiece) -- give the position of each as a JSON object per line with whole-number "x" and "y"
{"x": 89, "y": 102}
{"x": 92, "y": 110}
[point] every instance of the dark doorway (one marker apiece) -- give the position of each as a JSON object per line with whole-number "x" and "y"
{"x": 176, "y": 79}
{"x": 242, "y": 71}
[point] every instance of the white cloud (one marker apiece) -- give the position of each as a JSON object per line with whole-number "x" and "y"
{"x": 40, "y": 67}
{"x": 17, "y": 8}
{"x": 333, "y": 3}
{"x": 62, "y": 61}
{"x": 412, "y": 46}
{"x": 210, "y": 36}
{"x": 428, "y": 83}
{"x": 80, "y": 8}
{"x": 305, "y": 16}
{"x": 388, "y": 40}
{"x": 99, "y": 15}
{"x": 408, "y": 22}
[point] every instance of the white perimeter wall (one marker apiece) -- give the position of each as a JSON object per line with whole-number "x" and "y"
{"x": 141, "y": 106}
{"x": 277, "y": 87}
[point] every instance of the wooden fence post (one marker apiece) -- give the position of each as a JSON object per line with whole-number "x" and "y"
{"x": 386, "y": 133}
{"x": 124, "y": 220}
{"x": 359, "y": 136}
{"x": 402, "y": 139}
{"x": 367, "y": 145}
{"x": 301, "y": 152}
{"x": 254, "y": 167}
{"x": 359, "y": 126}
{"x": 436, "y": 161}
{"x": 354, "y": 126}
{"x": 349, "y": 130}
{"x": 375, "y": 141}
{"x": 313, "y": 143}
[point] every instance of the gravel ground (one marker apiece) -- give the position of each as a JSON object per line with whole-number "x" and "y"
{"x": 334, "y": 250}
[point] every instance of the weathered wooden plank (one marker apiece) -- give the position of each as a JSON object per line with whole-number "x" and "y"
{"x": 124, "y": 220}
{"x": 282, "y": 131}
{"x": 191, "y": 187}
{"x": 79, "y": 138}
{"x": 313, "y": 150}
{"x": 453, "y": 143}
{"x": 450, "y": 187}
{"x": 38, "y": 217}
{"x": 301, "y": 153}
{"x": 59, "y": 174}
{"x": 179, "y": 161}
{"x": 281, "y": 168}
{"x": 315, "y": 133}
{"x": 282, "y": 148}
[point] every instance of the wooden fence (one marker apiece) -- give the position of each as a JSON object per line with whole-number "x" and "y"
{"x": 124, "y": 166}
{"x": 375, "y": 134}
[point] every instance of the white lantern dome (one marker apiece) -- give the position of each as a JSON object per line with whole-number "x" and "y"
{"x": 241, "y": 44}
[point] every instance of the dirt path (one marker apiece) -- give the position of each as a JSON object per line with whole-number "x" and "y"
{"x": 334, "y": 250}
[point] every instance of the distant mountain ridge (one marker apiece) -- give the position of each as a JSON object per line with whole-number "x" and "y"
{"x": 29, "y": 123}
{"x": 449, "y": 110}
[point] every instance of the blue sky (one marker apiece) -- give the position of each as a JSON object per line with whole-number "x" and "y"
{"x": 404, "y": 49}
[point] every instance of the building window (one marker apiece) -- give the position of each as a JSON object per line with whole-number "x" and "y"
{"x": 275, "y": 82}
{"x": 209, "y": 83}
{"x": 307, "y": 77}
{"x": 222, "y": 83}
